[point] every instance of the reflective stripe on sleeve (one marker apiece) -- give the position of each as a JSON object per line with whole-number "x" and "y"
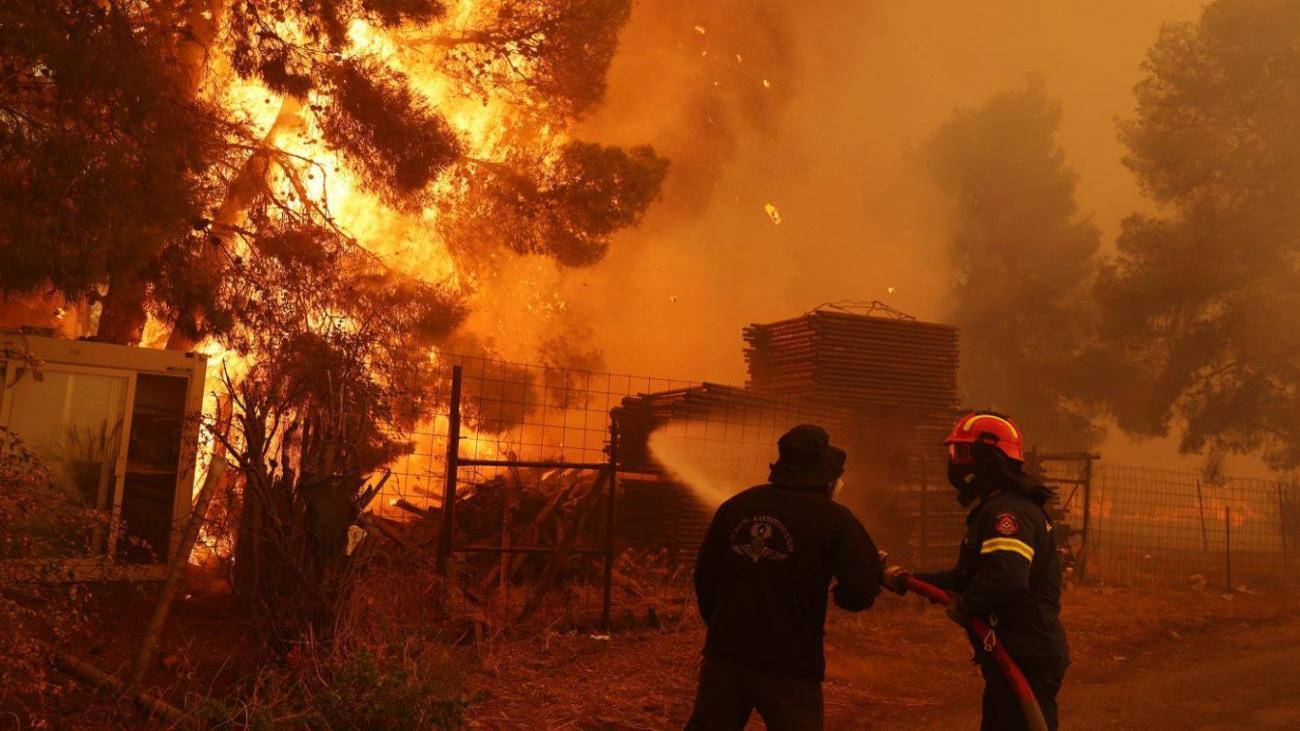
{"x": 1008, "y": 544}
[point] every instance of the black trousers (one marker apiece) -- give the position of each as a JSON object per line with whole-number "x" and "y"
{"x": 1002, "y": 710}
{"x": 729, "y": 692}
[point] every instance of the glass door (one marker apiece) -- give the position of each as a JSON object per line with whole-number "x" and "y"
{"x": 75, "y": 419}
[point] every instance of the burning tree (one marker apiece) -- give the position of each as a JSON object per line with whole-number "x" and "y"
{"x": 1024, "y": 258}
{"x": 314, "y": 189}
{"x": 148, "y": 144}
{"x": 1201, "y": 300}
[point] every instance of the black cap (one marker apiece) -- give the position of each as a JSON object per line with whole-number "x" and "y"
{"x": 806, "y": 458}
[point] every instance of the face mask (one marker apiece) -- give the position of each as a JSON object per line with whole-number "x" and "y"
{"x": 960, "y": 475}
{"x": 962, "y": 479}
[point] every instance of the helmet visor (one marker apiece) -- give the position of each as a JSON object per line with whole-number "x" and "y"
{"x": 961, "y": 453}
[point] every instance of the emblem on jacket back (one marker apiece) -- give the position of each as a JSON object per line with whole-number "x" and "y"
{"x": 762, "y": 537}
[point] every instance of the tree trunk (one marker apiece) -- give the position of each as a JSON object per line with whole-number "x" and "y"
{"x": 123, "y": 317}
{"x": 242, "y": 192}
{"x": 192, "y": 47}
{"x": 248, "y": 549}
{"x": 202, "y": 23}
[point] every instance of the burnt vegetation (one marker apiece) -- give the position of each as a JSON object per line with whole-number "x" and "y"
{"x": 140, "y": 187}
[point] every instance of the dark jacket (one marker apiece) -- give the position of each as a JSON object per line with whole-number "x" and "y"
{"x": 1009, "y": 570}
{"x": 763, "y": 572}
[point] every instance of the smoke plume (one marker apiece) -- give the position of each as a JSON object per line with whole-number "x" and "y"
{"x": 833, "y": 142}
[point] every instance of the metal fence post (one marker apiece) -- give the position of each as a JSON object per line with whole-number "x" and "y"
{"x": 925, "y": 512}
{"x": 507, "y": 540}
{"x": 449, "y": 482}
{"x": 611, "y": 516}
{"x": 1205, "y": 535}
{"x": 1281, "y": 521}
{"x": 1227, "y": 542}
{"x": 1087, "y": 519}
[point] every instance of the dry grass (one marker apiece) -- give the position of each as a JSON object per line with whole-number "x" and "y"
{"x": 396, "y": 641}
{"x": 885, "y": 665}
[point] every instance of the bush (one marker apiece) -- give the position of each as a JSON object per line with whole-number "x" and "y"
{"x": 364, "y": 689}
{"x": 364, "y": 694}
{"x": 39, "y": 522}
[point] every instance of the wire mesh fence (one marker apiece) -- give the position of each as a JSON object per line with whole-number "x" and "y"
{"x": 532, "y": 482}
{"x": 534, "y": 466}
{"x": 1071, "y": 475}
{"x": 711, "y": 438}
{"x": 512, "y": 412}
{"x": 1156, "y": 526}
{"x": 533, "y": 470}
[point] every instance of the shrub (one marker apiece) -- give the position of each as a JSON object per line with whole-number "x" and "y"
{"x": 363, "y": 689}
{"x": 38, "y": 523}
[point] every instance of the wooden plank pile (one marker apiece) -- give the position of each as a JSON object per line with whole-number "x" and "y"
{"x": 827, "y": 354}
{"x": 877, "y": 362}
{"x": 885, "y": 387}
{"x": 864, "y": 360}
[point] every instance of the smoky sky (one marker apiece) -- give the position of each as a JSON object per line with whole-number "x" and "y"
{"x": 833, "y": 140}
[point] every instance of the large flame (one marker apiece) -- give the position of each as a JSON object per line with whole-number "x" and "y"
{"x": 407, "y": 241}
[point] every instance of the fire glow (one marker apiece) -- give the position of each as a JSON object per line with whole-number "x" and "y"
{"x": 495, "y": 128}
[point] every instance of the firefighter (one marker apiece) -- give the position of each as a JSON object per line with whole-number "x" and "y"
{"x": 1008, "y": 570}
{"x": 762, "y": 579}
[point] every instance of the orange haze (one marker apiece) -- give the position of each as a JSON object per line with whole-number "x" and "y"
{"x": 853, "y": 90}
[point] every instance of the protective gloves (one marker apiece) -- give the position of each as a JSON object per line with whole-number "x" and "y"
{"x": 895, "y": 579}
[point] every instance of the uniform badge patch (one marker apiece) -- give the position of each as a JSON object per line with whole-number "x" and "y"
{"x": 1005, "y": 524}
{"x": 762, "y": 537}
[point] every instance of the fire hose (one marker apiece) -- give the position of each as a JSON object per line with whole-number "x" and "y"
{"x": 984, "y": 633}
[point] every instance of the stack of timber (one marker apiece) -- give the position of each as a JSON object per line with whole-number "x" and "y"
{"x": 656, "y": 512}
{"x": 863, "y": 360}
{"x": 859, "y": 358}
{"x": 871, "y": 361}
{"x": 884, "y": 387}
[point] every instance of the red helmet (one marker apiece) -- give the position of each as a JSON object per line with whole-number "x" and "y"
{"x": 984, "y": 427}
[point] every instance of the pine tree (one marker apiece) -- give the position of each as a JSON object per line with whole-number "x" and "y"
{"x": 1024, "y": 260}
{"x": 1201, "y": 300}
{"x": 132, "y": 182}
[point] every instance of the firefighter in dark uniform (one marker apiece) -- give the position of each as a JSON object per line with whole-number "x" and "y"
{"x": 762, "y": 579}
{"x": 1008, "y": 571}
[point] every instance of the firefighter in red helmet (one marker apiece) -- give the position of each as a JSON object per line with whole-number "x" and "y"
{"x": 1008, "y": 570}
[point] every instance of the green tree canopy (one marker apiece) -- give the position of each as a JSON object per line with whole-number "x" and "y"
{"x": 1024, "y": 259}
{"x": 1200, "y": 303}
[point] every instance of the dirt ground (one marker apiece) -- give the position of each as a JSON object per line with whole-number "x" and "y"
{"x": 1181, "y": 660}
{"x": 1142, "y": 660}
